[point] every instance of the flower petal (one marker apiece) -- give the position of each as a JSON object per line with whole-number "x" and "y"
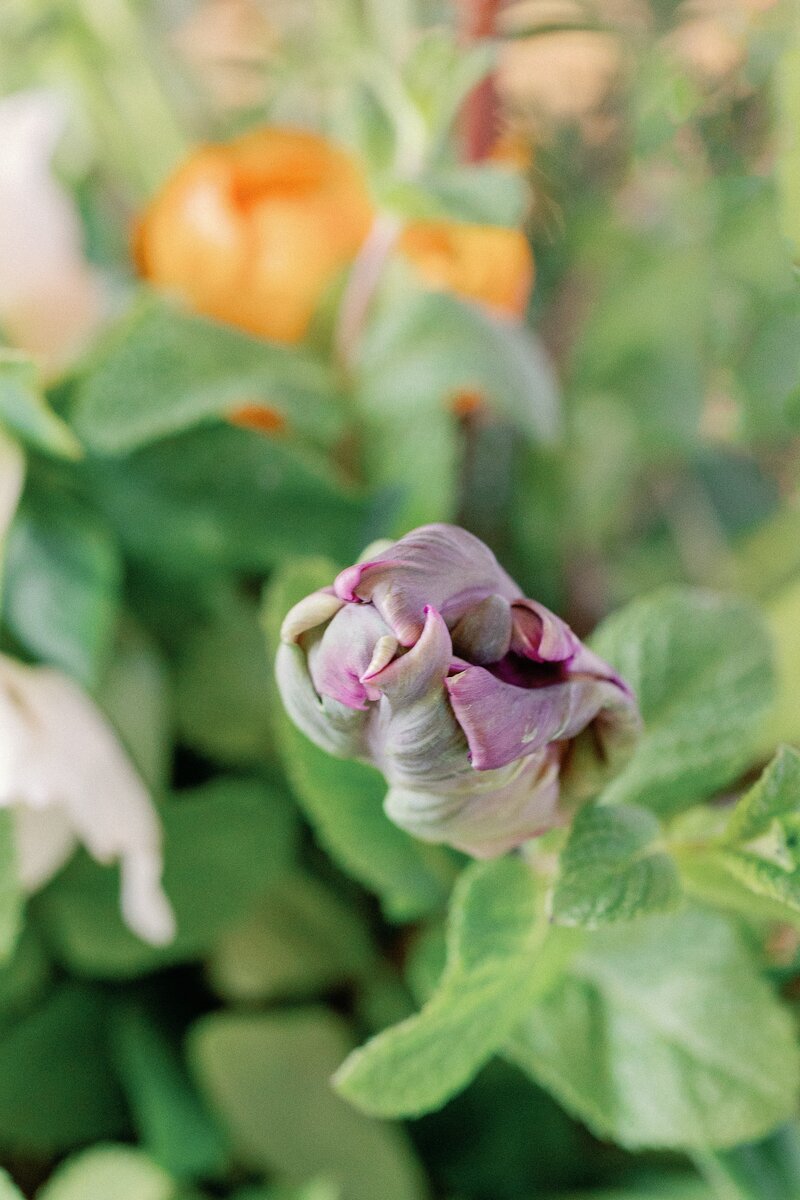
{"x": 437, "y": 565}
{"x": 59, "y": 753}
{"x": 483, "y": 813}
{"x": 503, "y": 722}
{"x": 325, "y": 722}
{"x": 413, "y": 734}
{"x": 316, "y": 609}
{"x": 483, "y": 635}
{"x": 343, "y": 655}
{"x": 540, "y": 635}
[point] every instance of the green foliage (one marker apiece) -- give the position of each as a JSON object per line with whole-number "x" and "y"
{"x": 612, "y": 868}
{"x": 170, "y": 1118}
{"x": 266, "y": 1076}
{"x": 109, "y": 1173}
{"x": 25, "y": 413}
{"x": 344, "y": 800}
{"x": 760, "y": 846}
{"x": 7, "y": 1189}
{"x": 700, "y": 666}
{"x": 637, "y": 429}
{"x": 299, "y": 939}
{"x": 223, "y": 500}
{"x": 663, "y": 1034}
{"x": 62, "y": 585}
{"x": 11, "y": 899}
{"x": 165, "y": 371}
{"x": 222, "y": 843}
{"x": 57, "y": 1086}
{"x": 499, "y": 959}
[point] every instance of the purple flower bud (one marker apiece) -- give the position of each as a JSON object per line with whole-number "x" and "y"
{"x": 482, "y": 709}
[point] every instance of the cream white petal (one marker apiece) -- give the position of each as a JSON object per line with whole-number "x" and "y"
{"x": 50, "y": 298}
{"x": 60, "y": 757}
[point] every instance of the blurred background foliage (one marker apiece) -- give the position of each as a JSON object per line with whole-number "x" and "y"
{"x": 638, "y": 426}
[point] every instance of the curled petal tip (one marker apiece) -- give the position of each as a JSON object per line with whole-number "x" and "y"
{"x": 385, "y": 650}
{"x": 316, "y": 609}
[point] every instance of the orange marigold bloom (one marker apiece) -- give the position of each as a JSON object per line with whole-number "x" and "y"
{"x": 253, "y": 232}
{"x": 485, "y": 263}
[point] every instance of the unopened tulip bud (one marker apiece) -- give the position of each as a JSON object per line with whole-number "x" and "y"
{"x": 428, "y": 662}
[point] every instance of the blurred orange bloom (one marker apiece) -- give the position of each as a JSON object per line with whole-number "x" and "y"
{"x": 253, "y": 232}
{"x": 478, "y": 262}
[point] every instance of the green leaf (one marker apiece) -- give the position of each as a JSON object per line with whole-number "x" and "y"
{"x": 25, "y": 413}
{"x": 414, "y": 454}
{"x": 267, "y": 1078}
{"x": 421, "y": 348}
{"x": 226, "y": 499}
{"x": 57, "y": 1086}
{"x": 135, "y": 693}
{"x": 483, "y": 195}
{"x": 613, "y": 869}
{"x": 165, "y": 371}
{"x": 300, "y": 939}
{"x": 782, "y": 722}
{"x": 663, "y": 1034}
{"x": 761, "y": 845}
{"x": 497, "y": 962}
{"x": 62, "y": 585}
{"x": 8, "y": 1191}
{"x": 701, "y": 667}
{"x": 788, "y": 142}
{"x": 11, "y": 895}
{"x": 109, "y": 1173}
{"x": 172, "y": 1122}
{"x": 223, "y": 842}
{"x": 344, "y": 800}
{"x": 667, "y": 1187}
{"x": 223, "y": 692}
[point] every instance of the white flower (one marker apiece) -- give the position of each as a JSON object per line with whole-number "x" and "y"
{"x": 49, "y": 295}
{"x": 67, "y": 780}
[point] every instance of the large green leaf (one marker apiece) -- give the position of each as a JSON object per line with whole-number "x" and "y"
{"x": 666, "y": 1187}
{"x": 227, "y": 499}
{"x": 109, "y": 1173}
{"x": 760, "y": 847}
{"x": 62, "y": 584}
{"x": 171, "y": 1120}
{"x": 224, "y": 694}
{"x": 300, "y": 939}
{"x": 344, "y": 800}
{"x": 25, "y": 413}
{"x": 11, "y": 896}
{"x": 135, "y": 692}
{"x": 422, "y": 348}
{"x": 57, "y": 1087}
{"x": 701, "y": 667}
{"x": 7, "y": 1189}
{"x": 223, "y": 842}
{"x": 267, "y": 1078}
{"x": 612, "y": 868}
{"x": 480, "y": 194}
{"x": 165, "y": 370}
{"x": 498, "y": 961}
{"x": 663, "y": 1034}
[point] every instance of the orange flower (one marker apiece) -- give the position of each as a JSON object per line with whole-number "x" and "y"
{"x": 479, "y": 262}
{"x": 253, "y": 232}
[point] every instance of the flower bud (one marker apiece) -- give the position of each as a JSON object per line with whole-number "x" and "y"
{"x": 483, "y": 263}
{"x": 253, "y": 232}
{"x": 428, "y": 662}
